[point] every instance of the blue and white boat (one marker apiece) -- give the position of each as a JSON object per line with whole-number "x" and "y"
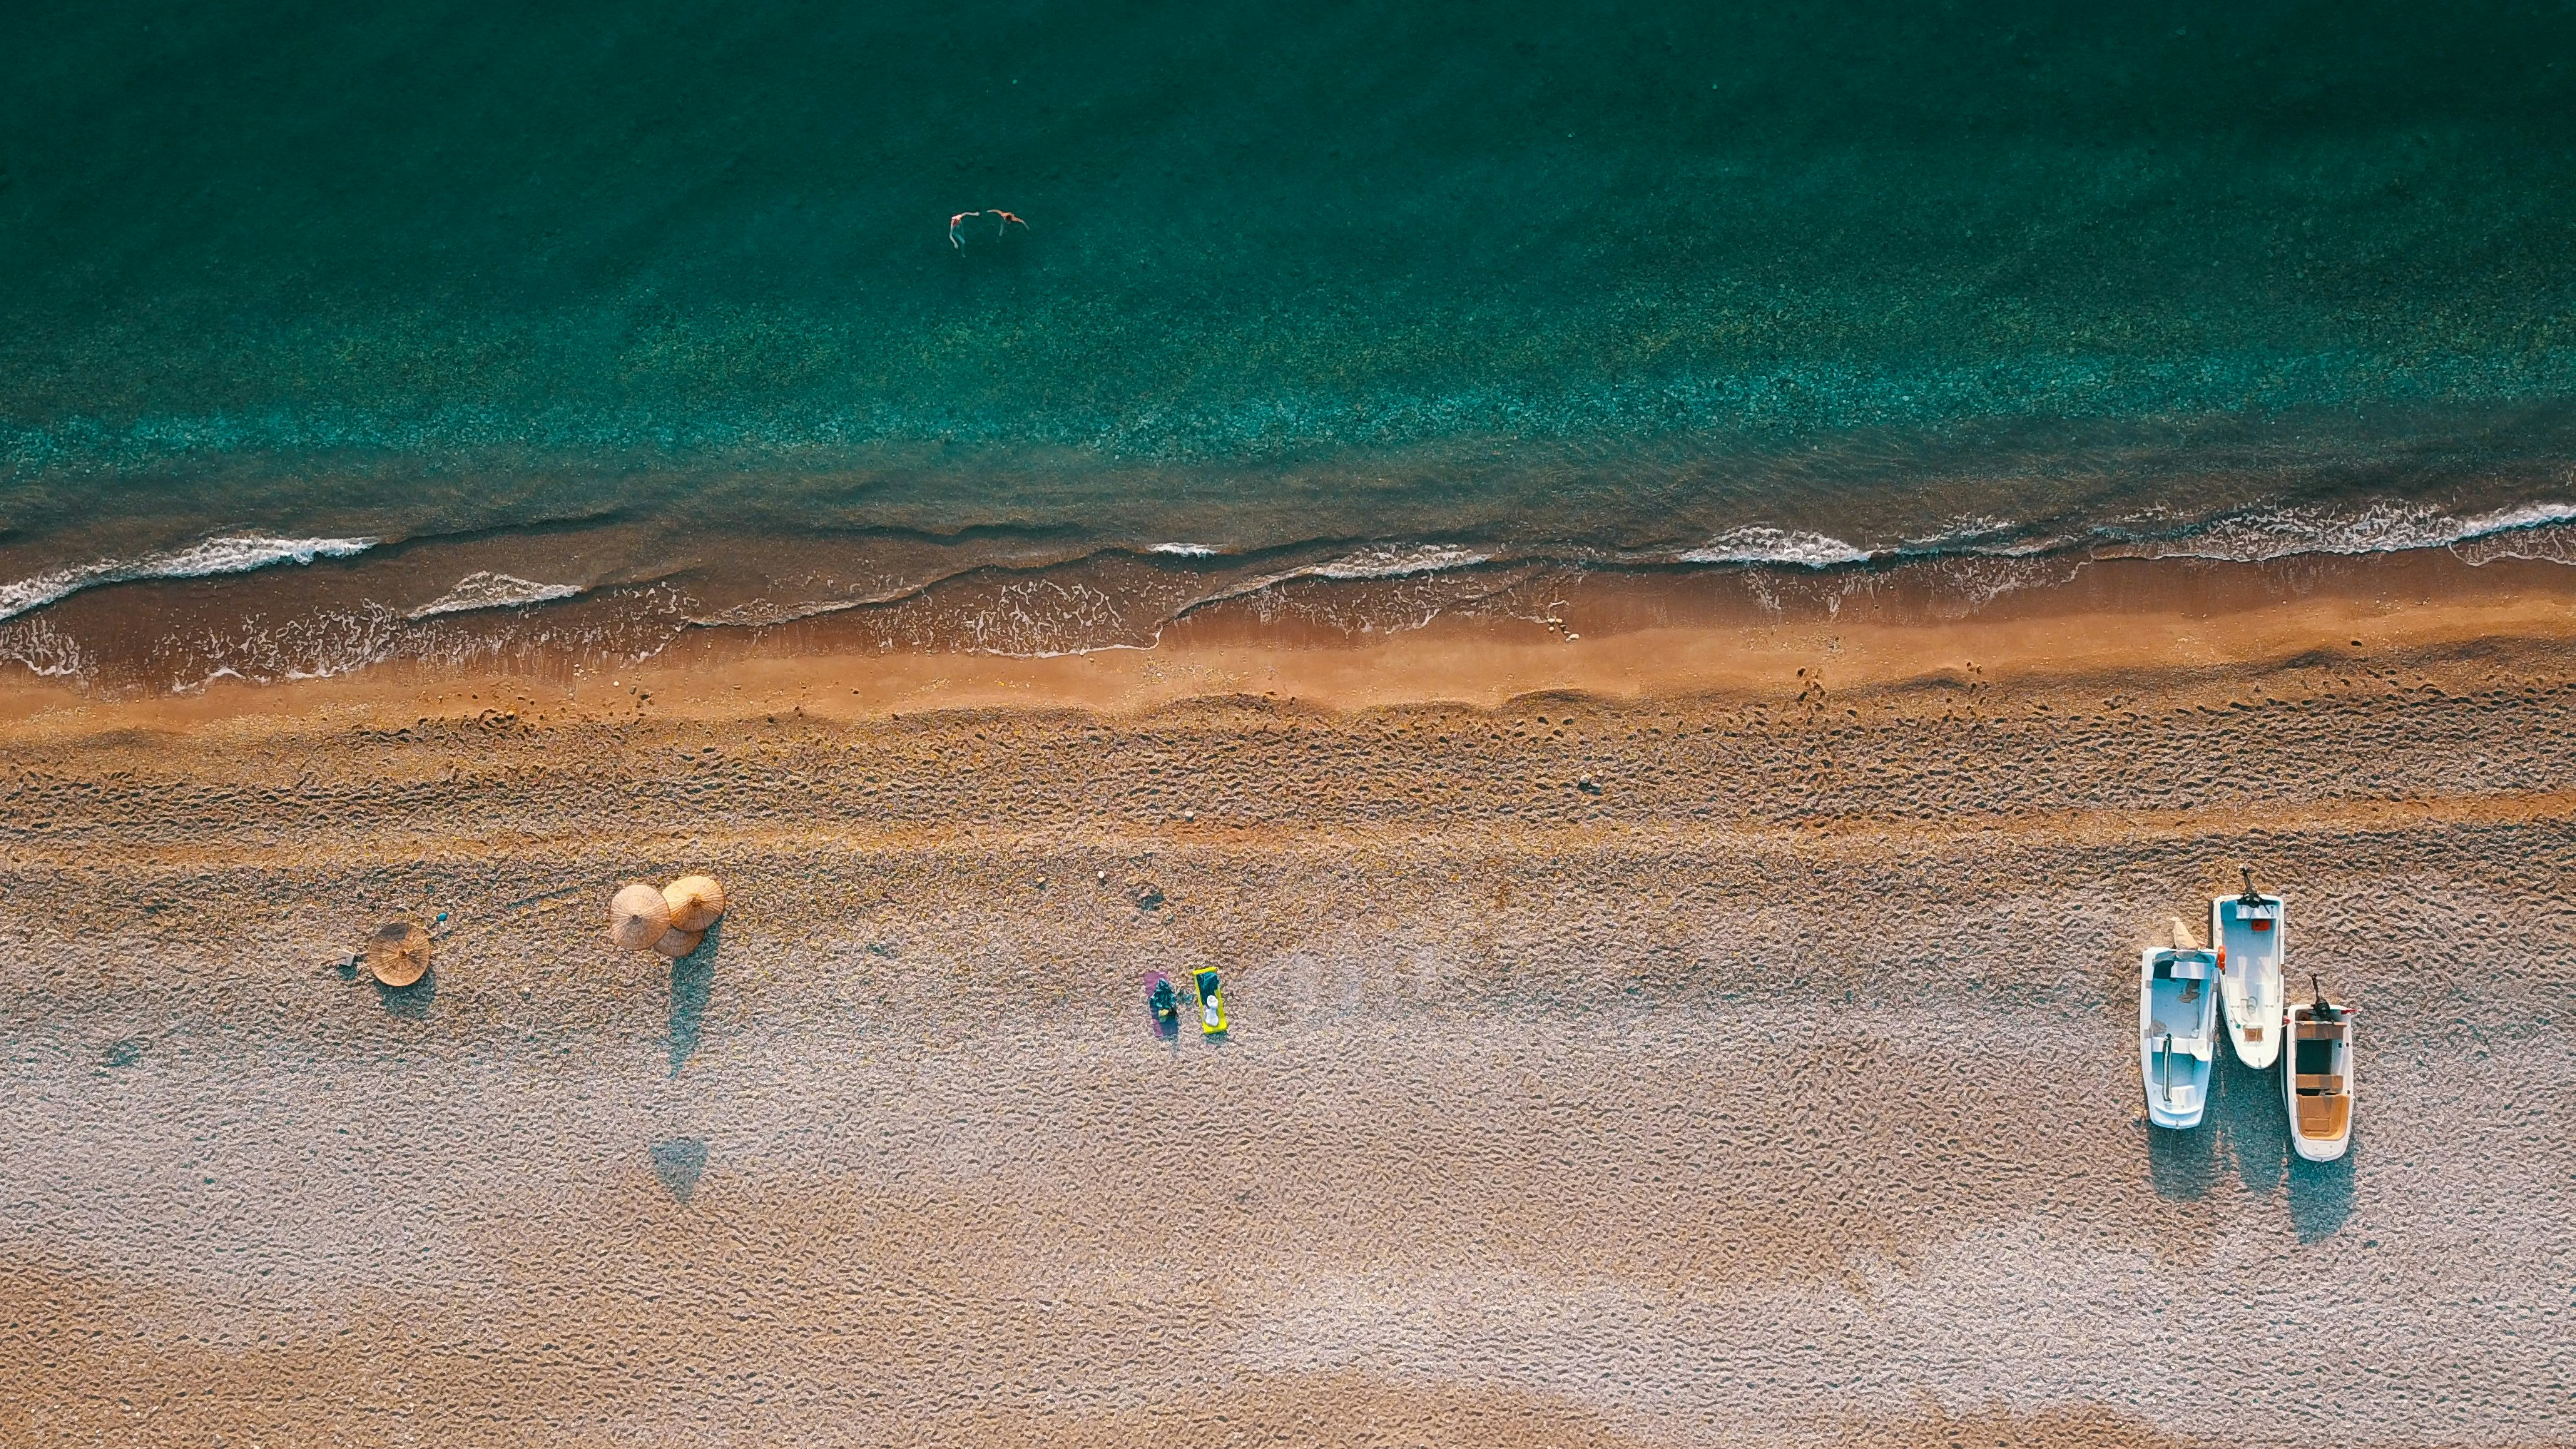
{"x": 2177, "y": 1029}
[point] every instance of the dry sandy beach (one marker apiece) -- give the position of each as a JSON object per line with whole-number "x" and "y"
{"x": 1706, "y": 1031}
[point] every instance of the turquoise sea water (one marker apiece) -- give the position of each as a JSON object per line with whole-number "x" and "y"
{"x": 1570, "y": 276}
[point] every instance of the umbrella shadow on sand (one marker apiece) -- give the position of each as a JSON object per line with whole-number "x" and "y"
{"x": 411, "y": 1003}
{"x": 678, "y": 1163}
{"x": 693, "y": 983}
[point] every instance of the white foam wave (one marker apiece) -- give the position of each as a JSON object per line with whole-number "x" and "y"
{"x": 2513, "y": 520}
{"x": 1383, "y": 561}
{"x": 486, "y": 590}
{"x": 326, "y": 645}
{"x": 1983, "y": 537}
{"x": 226, "y": 555}
{"x": 2273, "y": 533}
{"x": 1185, "y": 550}
{"x": 760, "y": 613}
{"x": 2541, "y": 543}
{"x": 44, "y": 650}
{"x": 1763, "y": 544}
{"x": 1393, "y": 561}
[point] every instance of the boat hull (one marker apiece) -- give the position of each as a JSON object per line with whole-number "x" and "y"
{"x": 2177, "y": 1034}
{"x": 2249, "y": 940}
{"x": 2173, "y": 1121}
{"x": 2323, "y": 1150}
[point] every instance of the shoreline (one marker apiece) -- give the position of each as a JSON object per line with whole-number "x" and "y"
{"x": 1613, "y": 636}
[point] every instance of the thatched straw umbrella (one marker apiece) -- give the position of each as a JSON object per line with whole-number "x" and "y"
{"x": 676, "y": 943}
{"x": 695, "y": 901}
{"x": 399, "y": 954}
{"x": 638, "y": 917}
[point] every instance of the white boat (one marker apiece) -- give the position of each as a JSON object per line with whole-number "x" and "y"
{"x": 2247, "y": 929}
{"x": 2177, "y": 1031}
{"x": 2316, "y": 1078}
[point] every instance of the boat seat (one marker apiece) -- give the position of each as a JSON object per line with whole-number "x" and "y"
{"x": 2323, "y": 1082}
{"x": 2324, "y": 1116}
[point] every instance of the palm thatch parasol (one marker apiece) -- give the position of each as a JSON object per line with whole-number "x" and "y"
{"x": 676, "y": 943}
{"x": 399, "y": 954}
{"x": 638, "y": 916}
{"x": 695, "y": 901}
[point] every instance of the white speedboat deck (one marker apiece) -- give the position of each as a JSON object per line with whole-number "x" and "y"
{"x": 2247, "y": 930}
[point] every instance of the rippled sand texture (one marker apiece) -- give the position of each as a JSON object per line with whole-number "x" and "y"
{"x": 1776, "y": 1087}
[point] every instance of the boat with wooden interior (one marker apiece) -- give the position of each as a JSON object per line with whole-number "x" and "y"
{"x": 2316, "y": 1079}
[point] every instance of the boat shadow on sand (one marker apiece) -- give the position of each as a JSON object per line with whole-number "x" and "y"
{"x": 2247, "y": 1125}
{"x": 2182, "y": 1166}
{"x": 2246, "y": 1114}
{"x": 2321, "y": 1195}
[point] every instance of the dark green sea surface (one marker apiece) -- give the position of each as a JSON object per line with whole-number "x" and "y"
{"x": 1610, "y": 272}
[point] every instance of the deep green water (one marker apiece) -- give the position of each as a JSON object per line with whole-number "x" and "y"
{"x": 1597, "y": 271}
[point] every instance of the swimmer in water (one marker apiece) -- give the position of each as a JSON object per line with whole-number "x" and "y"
{"x": 1003, "y": 221}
